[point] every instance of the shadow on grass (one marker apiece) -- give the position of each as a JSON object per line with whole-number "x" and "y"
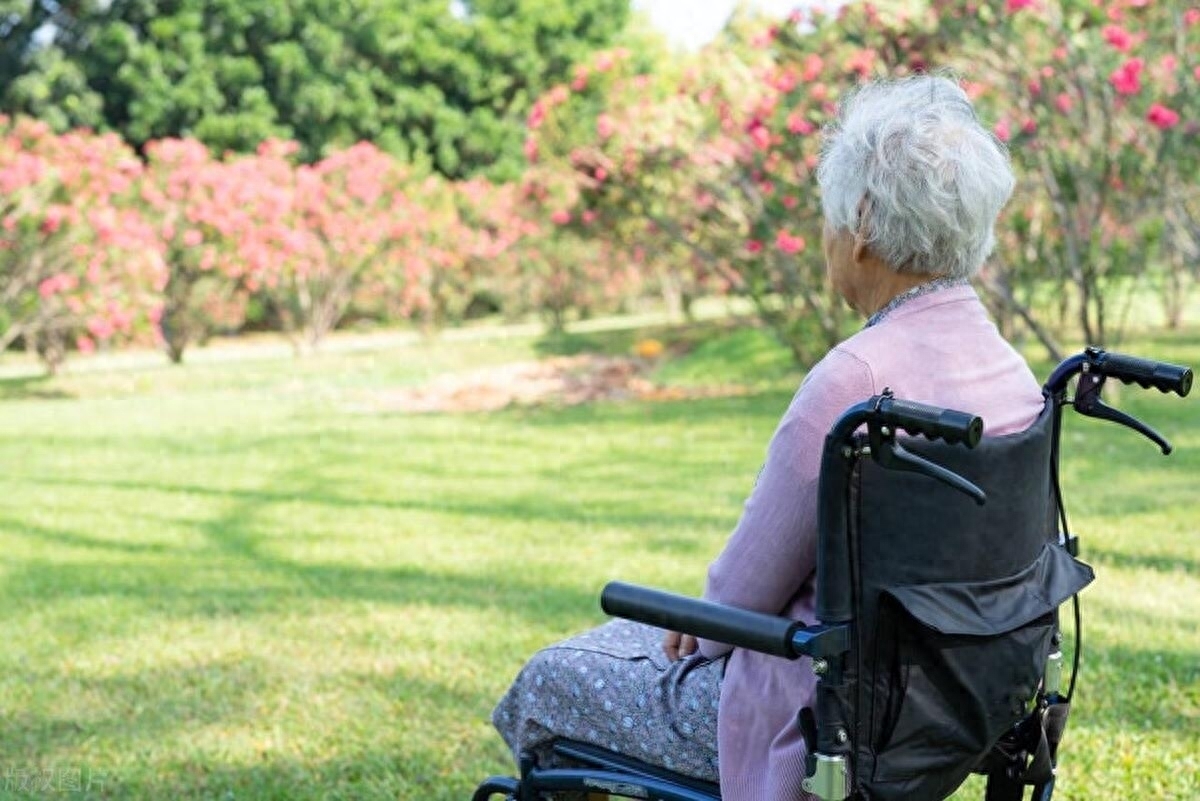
{"x": 134, "y": 710}
{"x": 34, "y": 387}
{"x": 1167, "y": 563}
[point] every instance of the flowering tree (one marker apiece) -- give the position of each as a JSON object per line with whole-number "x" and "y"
{"x": 719, "y": 161}
{"x": 311, "y": 235}
{"x": 79, "y": 265}
{"x": 1090, "y": 97}
{"x": 198, "y": 209}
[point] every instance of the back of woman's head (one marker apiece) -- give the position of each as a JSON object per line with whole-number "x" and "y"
{"x": 908, "y": 165}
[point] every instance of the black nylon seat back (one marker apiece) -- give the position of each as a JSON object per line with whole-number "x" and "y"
{"x": 955, "y": 605}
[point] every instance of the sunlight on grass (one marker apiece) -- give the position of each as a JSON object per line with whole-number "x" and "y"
{"x": 232, "y": 581}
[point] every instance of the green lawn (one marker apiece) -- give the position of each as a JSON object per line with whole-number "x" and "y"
{"x": 243, "y": 580}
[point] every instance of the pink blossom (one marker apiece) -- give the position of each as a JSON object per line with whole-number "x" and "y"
{"x": 788, "y": 243}
{"x": 1191, "y": 16}
{"x": 754, "y": 246}
{"x": 531, "y": 149}
{"x": 761, "y": 136}
{"x": 861, "y": 62}
{"x": 588, "y": 217}
{"x": 537, "y": 115}
{"x": 812, "y": 68}
{"x": 558, "y": 95}
{"x": 1162, "y": 117}
{"x": 1118, "y": 37}
{"x": 1063, "y": 102}
{"x": 600, "y": 174}
{"x": 1035, "y": 88}
{"x": 798, "y": 125}
{"x": 85, "y": 344}
{"x": 1014, "y": 6}
{"x": 581, "y": 78}
{"x": 560, "y": 217}
{"x": 1125, "y": 79}
{"x": 786, "y": 80}
{"x": 790, "y": 201}
{"x": 1196, "y": 73}
{"x": 1029, "y": 127}
{"x": 100, "y": 328}
{"x": 192, "y": 237}
{"x": 1002, "y": 131}
{"x": 605, "y": 127}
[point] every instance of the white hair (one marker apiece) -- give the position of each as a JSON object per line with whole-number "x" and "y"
{"x": 908, "y": 166}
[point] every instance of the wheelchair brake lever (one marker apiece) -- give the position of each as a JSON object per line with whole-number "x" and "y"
{"x": 1089, "y": 403}
{"x": 891, "y": 455}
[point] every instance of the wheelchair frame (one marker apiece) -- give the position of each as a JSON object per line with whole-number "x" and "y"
{"x": 1025, "y": 756}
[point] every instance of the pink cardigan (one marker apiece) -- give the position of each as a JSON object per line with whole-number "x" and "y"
{"x": 938, "y": 348}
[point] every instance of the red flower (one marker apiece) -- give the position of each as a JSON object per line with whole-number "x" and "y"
{"x": 1125, "y": 79}
{"x": 560, "y": 217}
{"x": 1003, "y": 132}
{"x": 789, "y": 244}
{"x": 600, "y": 173}
{"x": 1118, "y": 37}
{"x": 1014, "y": 6}
{"x": 1162, "y": 117}
{"x": 754, "y": 246}
{"x": 1063, "y": 102}
{"x": 1191, "y": 16}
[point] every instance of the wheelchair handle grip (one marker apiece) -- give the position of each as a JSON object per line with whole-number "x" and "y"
{"x": 1147, "y": 373}
{"x": 768, "y": 634}
{"x": 931, "y": 421}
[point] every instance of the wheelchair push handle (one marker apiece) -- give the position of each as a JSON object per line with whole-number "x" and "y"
{"x": 742, "y": 628}
{"x": 1147, "y": 373}
{"x": 931, "y": 421}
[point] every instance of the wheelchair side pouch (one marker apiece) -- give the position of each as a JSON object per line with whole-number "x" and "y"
{"x": 966, "y": 659}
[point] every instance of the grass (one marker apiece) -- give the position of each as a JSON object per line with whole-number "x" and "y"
{"x": 242, "y": 580}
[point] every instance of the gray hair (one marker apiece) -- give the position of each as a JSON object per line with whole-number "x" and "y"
{"x": 908, "y": 162}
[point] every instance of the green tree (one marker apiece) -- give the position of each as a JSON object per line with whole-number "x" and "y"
{"x": 445, "y": 84}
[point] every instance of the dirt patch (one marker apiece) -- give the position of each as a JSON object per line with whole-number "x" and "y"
{"x": 558, "y": 381}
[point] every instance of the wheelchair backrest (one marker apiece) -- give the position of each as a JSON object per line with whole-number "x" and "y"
{"x": 955, "y": 608}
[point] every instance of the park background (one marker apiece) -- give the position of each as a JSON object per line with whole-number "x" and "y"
{"x": 349, "y": 348}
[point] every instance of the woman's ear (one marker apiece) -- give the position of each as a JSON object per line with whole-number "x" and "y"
{"x": 861, "y": 251}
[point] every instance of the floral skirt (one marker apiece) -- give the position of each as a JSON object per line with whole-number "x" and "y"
{"x": 614, "y": 687}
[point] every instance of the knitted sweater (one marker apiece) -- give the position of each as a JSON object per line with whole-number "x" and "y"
{"x": 938, "y": 348}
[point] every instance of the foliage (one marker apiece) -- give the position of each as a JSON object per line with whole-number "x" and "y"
{"x": 428, "y": 84}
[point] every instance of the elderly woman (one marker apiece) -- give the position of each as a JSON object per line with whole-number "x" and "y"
{"x": 911, "y": 186}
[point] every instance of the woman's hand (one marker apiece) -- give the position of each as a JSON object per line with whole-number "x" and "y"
{"x": 676, "y": 646}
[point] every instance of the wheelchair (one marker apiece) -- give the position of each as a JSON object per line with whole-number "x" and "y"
{"x": 937, "y": 654}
